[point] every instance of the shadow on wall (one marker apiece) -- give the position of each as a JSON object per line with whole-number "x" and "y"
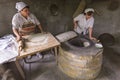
{"x": 107, "y": 21}
{"x": 54, "y": 15}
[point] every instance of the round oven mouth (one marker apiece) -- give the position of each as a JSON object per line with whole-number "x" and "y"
{"x": 79, "y": 42}
{"x": 76, "y": 42}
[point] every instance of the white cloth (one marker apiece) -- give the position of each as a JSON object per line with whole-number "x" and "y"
{"x": 8, "y": 48}
{"x": 83, "y": 24}
{"x": 66, "y": 36}
{"x": 20, "y": 5}
{"x": 88, "y": 9}
{"x": 18, "y": 20}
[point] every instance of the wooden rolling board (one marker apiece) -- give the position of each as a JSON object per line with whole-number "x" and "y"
{"x": 51, "y": 43}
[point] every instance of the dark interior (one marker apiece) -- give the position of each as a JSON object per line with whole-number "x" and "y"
{"x": 77, "y": 42}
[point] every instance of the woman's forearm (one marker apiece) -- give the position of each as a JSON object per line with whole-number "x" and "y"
{"x": 40, "y": 27}
{"x": 15, "y": 31}
{"x": 90, "y": 32}
{"x": 75, "y": 24}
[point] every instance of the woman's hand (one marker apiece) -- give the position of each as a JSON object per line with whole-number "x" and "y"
{"x": 93, "y": 38}
{"x": 18, "y": 38}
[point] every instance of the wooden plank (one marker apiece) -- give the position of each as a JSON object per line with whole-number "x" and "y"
{"x": 20, "y": 69}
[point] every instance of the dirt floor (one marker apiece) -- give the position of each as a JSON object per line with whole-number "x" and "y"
{"x": 110, "y": 69}
{"x": 47, "y": 68}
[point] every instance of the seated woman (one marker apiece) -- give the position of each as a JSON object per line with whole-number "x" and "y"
{"x": 24, "y": 22}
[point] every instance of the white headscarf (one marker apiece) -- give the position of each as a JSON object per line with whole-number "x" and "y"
{"x": 88, "y": 9}
{"x": 20, "y": 5}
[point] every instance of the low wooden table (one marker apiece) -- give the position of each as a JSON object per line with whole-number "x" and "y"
{"x": 52, "y": 43}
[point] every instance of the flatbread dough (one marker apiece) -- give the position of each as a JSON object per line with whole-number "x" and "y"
{"x": 40, "y": 37}
{"x": 36, "y": 39}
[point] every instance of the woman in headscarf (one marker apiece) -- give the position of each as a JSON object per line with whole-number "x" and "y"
{"x": 24, "y": 22}
{"x": 83, "y": 23}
